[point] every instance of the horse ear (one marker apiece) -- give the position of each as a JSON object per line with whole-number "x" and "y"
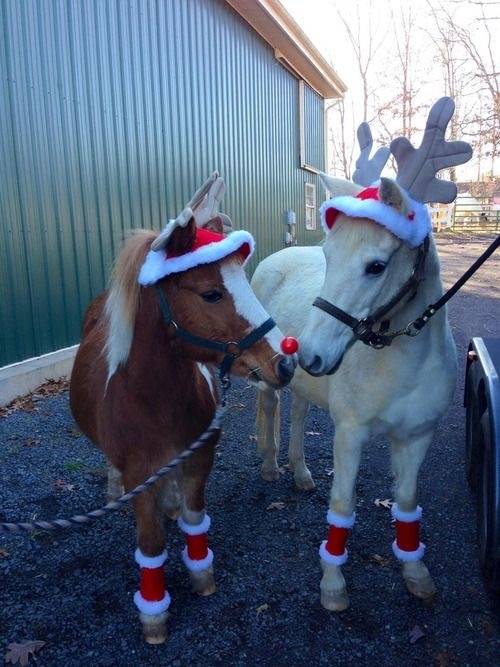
{"x": 215, "y": 225}
{"x": 339, "y": 186}
{"x": 182, "y": 239}
{"x": 391, "y": 194}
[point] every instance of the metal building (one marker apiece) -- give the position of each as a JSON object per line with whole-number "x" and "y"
{"x": 113, "y": 111}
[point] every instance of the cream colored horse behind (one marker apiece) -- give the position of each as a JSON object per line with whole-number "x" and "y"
{"x": 399, "y": 392}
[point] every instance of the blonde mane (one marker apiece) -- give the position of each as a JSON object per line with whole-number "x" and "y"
{"x": 123, "y": 298}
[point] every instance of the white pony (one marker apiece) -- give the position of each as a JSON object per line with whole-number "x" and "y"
{"x": 390, "y": 269}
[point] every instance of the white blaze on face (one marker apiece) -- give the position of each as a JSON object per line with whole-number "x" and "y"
{"x": 246, "y": 303}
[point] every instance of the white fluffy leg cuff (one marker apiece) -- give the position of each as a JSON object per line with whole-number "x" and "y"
{"x": 151, "y": 562}
{"x": 406, "y": 517}
{"x": 197, "y": 565}
{"x": 339, "y": 520}
{"x": 189, "y": 529}
{"x": 408, "y": 556}
{"x": 152, "y": 607}
{"x": 329, "y": 558}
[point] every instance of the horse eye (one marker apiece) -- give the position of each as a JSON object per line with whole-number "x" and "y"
{"x": 212, "y": 296}
{"x": 375, "y": 268}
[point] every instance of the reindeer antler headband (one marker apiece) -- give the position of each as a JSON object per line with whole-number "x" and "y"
{"x": 400, "y": 206}
{"x": 206, "y": 245}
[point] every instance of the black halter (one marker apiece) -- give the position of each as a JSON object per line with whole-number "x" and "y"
{"x": 363, "y": 328}
{"x": 230, "y": 349}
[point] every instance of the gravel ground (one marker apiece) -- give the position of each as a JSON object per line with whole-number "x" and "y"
{"x": 74, "y": 589}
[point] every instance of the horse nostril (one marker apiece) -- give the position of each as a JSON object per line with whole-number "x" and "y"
{"x": 286, "y": 367}
{"x": 317, "y": 364}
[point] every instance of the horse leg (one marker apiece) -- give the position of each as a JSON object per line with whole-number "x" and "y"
{"x": 407, "y": 457}
{"x": 152, "y": 599}
{"x": 114, "y": 487}
{"x": 347, "y": 453}
{"x": 301, "y": 473}
{"x": 195, "y": 522}
{"x": 268, "y": 431}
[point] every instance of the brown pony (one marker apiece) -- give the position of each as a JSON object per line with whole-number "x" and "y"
{"x": 141, "y": 393}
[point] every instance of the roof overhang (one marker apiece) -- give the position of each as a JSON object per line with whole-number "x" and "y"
{"x": 291, "y": 45}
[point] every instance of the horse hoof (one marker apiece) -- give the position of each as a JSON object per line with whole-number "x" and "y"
{"x": 203, "y": 582}
{"x": 270, "y": 474}
{"x": 421, "y": 588}
{"x": 335, "y": 600}
{"x": 154, "y": 628}
{"x": 305, "y": 482}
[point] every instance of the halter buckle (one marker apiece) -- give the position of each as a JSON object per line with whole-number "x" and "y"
{"x": 363, "y": 329}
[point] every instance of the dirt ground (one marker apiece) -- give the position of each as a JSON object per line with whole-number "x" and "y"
{"x": 73, "y": 590}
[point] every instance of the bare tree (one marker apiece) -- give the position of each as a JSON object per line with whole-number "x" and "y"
{"x": 476, "y": 43}
{"x": 342, "y": 144}
{"x": 364, "y": 45}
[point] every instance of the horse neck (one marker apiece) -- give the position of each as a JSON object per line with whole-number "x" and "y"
{"x": 156, "y": 367}
{"x": 428, "y": 292}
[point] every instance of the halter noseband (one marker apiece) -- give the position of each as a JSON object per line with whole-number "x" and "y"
{"x": 230, "y": 349}
{"x": 363, "y": 328}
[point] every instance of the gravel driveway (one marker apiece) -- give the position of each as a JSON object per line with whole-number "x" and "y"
{"x": 73, "y": 590}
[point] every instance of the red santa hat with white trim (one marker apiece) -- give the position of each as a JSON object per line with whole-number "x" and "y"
{"x": 207, "y": 245}
{"x": 400, "y": 205}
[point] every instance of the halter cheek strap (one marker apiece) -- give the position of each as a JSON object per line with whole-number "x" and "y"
{"x": 230, "y": 349}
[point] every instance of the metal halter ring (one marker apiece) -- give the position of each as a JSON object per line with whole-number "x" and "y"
{"x": 411, "y": 330}
{"x": 236, "y": 351}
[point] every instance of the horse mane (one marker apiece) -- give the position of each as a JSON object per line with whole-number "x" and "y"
{"x": 123, "y": 298}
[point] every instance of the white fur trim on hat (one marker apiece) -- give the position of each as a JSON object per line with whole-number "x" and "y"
{"x": 331, "y": 559}
{"x": 408, "y": 556}
{"x": 340, "y": 521}
{"x": 150, "y": 562}
{"x": 197, "y": 565}
{"x": 157, "y": 264}
{"x": 199, "y": 529}
{"x": 406, "y": 517}
{"x": 412, "y": 232}
{"x": 152, "y": 607}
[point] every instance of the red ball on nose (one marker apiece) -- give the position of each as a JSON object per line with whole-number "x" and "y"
{"x": 289, "y": 345}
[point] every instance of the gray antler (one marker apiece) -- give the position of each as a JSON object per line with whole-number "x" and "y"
{"x": 417, "y": 167}
{"x": 203, "y": 205}
{"x": 368, "y": 171}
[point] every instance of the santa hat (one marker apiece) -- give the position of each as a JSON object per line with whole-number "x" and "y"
{"x": 208, "y": 247}
{"x": 411, "y": 227}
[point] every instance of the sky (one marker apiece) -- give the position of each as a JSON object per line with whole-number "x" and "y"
{"x": 319, "y": 19}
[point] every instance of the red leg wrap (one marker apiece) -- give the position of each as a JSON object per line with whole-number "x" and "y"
{"x": 197, "y": 546}
{"x": 337, "y": 540}
{"x": 153, "y": 583}
{"x": 408, "y": 535}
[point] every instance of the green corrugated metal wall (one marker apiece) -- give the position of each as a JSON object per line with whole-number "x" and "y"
{"x": 111, "y": 113}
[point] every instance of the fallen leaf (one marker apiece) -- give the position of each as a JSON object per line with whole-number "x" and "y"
{"x": 61, "y": 485}
{"x": 237, "y": 406}
{"x": 31, "y": 442}
{"x": 387, "y": 503}
{"x": 4, "y": 553}
{"x": 277, "y": 505}
{"x": 253, "y": 437}
{"x": 329, "y": 472}
{"x": 20, "y": 653}
{"x": 415, "y": 634}
{"x": 313, "y": 433}
{"x": 380, "y": 560}
{"x": 261, "y": 608}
